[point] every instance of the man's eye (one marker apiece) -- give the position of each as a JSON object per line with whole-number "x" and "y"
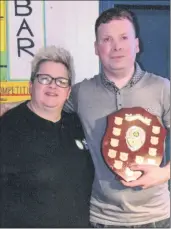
{"x": 107, "y": 39}
{"x": 124, "y": 38}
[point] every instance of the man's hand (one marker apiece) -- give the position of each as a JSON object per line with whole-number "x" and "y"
{"x": 7, "y": 106}
{"x": 152, "y": 175}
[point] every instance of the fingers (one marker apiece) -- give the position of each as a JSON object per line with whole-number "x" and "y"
{"x": 7, "y": 106}
{"x": 132, "y": 184}
{"x": 143, "y": 168}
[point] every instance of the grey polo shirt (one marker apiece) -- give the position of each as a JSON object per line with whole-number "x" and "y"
{"x": 93, "y": 100}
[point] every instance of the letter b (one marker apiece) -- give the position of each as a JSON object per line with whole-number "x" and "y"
{"x": 22, "y": 8}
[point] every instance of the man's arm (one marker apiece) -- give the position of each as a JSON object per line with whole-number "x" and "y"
{"x": 71, "y": 104}
{"x": 4, "y": 107}
{"x": 155, "y": 175}
{"x": 166, "y": 104}
{"x": 152, "y": 175}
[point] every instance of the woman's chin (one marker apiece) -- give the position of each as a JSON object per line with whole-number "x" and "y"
{"x": 51, "y": 105}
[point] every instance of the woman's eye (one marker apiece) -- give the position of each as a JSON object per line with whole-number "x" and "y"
{"x": 63, "y": 82}
{"x": 45, "y": 79}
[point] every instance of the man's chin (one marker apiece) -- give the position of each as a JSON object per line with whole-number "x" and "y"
{"x": 118, "y": 67}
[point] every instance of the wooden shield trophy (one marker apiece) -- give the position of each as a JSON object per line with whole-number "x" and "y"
{"x": 133, "y": 136}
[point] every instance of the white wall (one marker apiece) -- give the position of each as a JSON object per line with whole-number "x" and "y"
{"x": 62, "y": 23}
{"x": 71, "y": 24}
{"x": 19, "y": 64}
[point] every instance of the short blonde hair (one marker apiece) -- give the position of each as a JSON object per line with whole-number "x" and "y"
{"x": 55, "y": 54}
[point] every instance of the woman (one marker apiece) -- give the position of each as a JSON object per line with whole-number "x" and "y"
{"x": 46, "y": 171}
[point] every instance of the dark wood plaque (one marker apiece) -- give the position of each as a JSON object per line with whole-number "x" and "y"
{"x": 132, "y": 136}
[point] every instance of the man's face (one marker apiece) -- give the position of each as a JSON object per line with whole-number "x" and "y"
{"x": 116, "y": 45}
{"x": 50, "y": 96}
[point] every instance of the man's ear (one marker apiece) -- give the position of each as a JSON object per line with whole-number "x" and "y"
{"x": 96, "y": 48}
{"x": 137, "y": 48}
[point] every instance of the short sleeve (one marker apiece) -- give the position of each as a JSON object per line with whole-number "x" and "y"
{"x": 166, "y": 103}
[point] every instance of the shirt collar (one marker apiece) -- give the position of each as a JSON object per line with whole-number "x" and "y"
{"x": 138, "y": 74}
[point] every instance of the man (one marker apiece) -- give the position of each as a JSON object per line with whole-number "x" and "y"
{"x": 122, "y": 83}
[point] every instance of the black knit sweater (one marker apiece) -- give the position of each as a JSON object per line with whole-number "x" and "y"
{"x": 46, "y": 173}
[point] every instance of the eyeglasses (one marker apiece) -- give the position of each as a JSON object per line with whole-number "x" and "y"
{"x": 46, "y": 79}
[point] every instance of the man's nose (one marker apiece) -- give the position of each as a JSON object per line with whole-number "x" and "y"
{"x": 116, "y": 45}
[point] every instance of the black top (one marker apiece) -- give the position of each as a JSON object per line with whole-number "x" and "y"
{"x": 46, "y": 173}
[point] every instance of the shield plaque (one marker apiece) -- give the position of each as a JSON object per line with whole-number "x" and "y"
{"x": 133, "y": 135}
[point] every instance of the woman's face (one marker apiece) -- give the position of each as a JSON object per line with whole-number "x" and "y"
{"x": 50, "y": 96}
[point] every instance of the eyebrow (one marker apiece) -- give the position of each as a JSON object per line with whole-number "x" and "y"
{"x": 108, "y": 35}
{"x": 123, "y": 34}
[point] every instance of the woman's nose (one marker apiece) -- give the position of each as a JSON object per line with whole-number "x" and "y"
{"x": 53, "y": 83}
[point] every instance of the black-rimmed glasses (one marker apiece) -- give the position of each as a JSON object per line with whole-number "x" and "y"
{"x": 46, "y": 79}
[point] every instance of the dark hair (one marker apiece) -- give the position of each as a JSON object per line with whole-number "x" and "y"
{"x": 116, "y": 13}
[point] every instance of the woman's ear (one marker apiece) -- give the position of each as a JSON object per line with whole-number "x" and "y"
{"x": 69, "y": 92}
{"x": 30, "y": 87}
